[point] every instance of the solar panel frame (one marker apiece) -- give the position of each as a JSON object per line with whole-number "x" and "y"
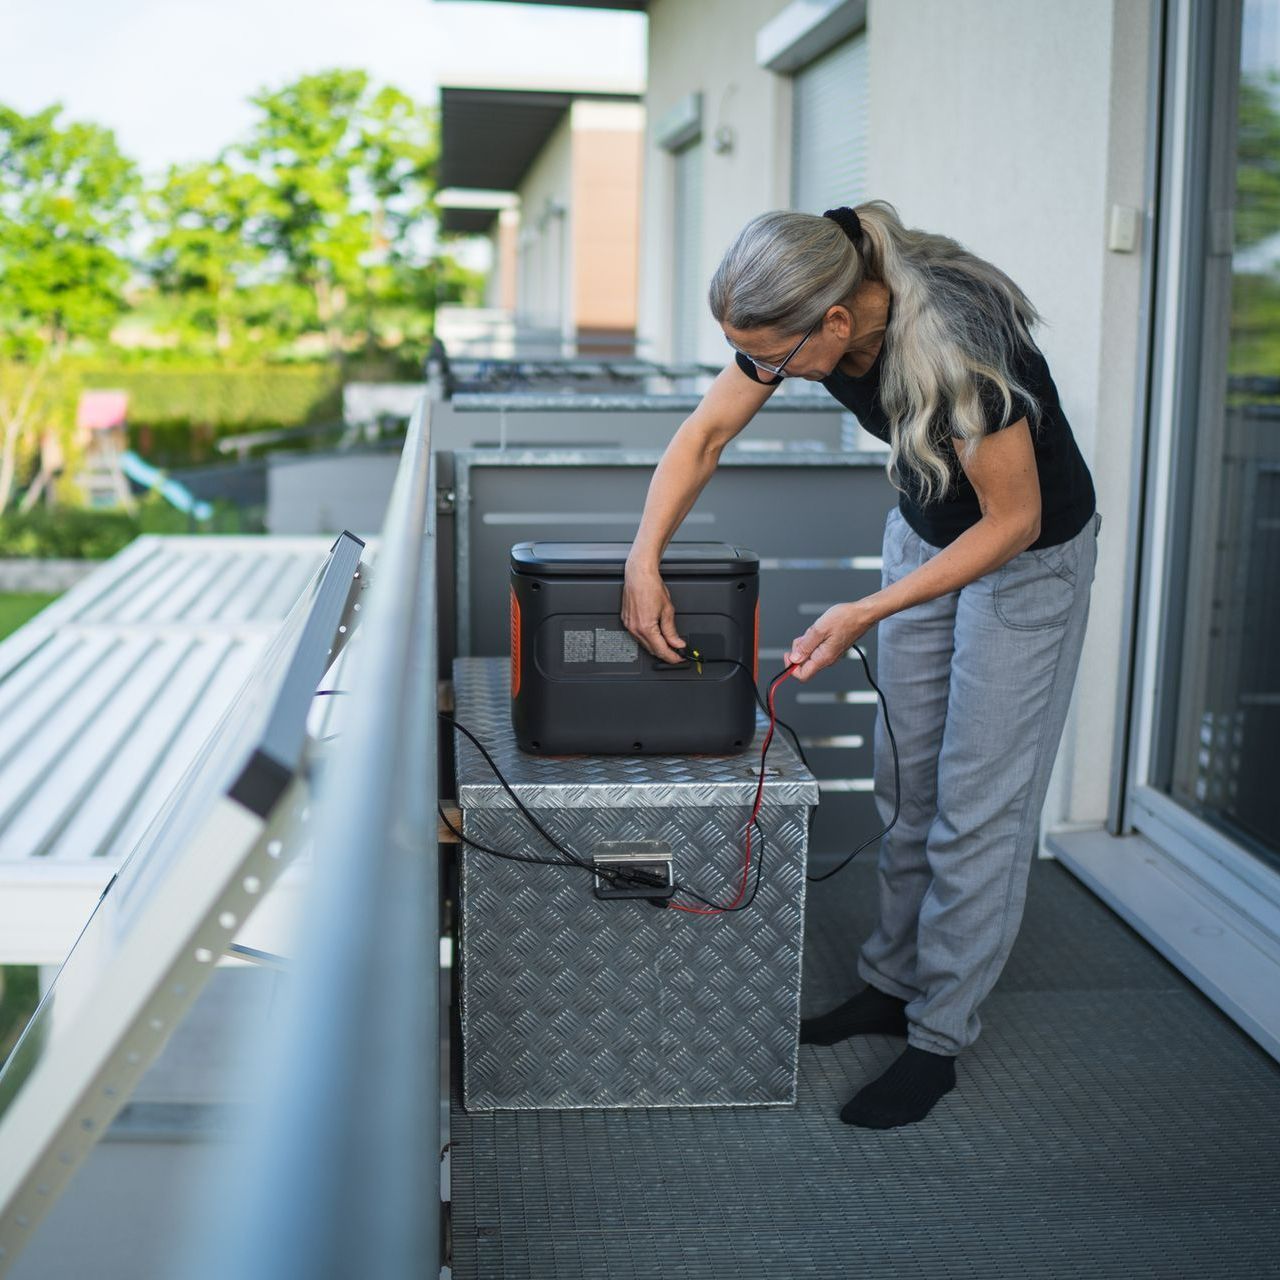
{"x": 149, "y": 947}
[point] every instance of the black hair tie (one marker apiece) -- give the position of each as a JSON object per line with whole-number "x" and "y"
{"x": 848, "y": 221}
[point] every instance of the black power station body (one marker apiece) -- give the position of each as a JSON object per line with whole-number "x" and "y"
{"x": 581, "y": 683}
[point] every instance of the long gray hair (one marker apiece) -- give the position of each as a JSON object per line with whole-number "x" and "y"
{"x": 956, "y": 319}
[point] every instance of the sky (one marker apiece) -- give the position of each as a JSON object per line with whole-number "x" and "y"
{"x": 172, "y": 77}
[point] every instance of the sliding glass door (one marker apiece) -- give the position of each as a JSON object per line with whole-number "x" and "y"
{"x": 1214, "y": 744}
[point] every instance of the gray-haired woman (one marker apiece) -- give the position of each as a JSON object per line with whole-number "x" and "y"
{"x": 988, "y": 561}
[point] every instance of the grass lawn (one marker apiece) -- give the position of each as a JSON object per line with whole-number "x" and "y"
{"x": 17, "y": 607}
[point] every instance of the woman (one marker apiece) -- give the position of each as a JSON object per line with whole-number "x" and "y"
{"x": 988, "y": 560}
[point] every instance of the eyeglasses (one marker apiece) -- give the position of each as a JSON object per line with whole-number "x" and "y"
{"x": 777, "y": 369}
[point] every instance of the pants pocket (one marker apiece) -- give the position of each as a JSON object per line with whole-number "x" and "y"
{"x": 1059, "y": 559}
{"x": 1036, "y": 589}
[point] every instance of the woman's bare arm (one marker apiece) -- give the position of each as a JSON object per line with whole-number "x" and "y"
{"x": 1003, "y": 473}
{"x": 680, "y": 476}
{"x": 1004, "y": 477}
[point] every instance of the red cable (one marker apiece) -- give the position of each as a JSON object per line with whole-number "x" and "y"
{"x": 755, "y": 809}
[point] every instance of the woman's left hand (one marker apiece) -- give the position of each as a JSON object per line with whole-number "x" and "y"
{"x": 829, "y": 638}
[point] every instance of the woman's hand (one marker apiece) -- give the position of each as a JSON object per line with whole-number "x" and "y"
{"x": 829, "y": 638}
{"x": 647, "y": 612}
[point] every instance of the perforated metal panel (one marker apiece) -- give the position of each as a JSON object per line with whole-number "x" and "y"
{"x": 571, "y": 1001}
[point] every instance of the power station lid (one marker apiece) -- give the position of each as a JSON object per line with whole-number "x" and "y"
{"x": 680, "y": 558}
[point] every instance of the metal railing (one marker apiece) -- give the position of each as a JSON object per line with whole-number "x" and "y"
{"x": 343, "y": 1176}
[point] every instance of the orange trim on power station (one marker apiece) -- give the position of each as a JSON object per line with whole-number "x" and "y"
{"x": 515, "y": 644}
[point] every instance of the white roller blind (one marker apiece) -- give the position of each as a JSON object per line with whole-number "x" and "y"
{"x": 688, "y": 287}
{"x": 829, "y": 118}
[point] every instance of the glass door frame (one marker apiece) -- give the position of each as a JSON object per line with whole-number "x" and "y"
{"x": 1199, "y": 53}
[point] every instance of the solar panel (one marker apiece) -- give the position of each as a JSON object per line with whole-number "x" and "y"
{"x": 150, "y": 945}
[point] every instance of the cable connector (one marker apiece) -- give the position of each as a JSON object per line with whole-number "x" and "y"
{"x": 690, "y": 654}
{"x": 640, "y": 869}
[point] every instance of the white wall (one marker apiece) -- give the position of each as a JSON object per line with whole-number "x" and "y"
{"x": 709, "y": 45}
{"x": 1114, "y": 446}
{"x": 1013, "y": 127}
{"x": 545, "y": 255}
{"x": 608, "y": 141}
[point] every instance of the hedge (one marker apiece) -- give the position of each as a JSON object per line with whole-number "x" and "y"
{"x": 177, "y": 410}
{"x": 81, "y": 533}
{"x": 225, "y": 400}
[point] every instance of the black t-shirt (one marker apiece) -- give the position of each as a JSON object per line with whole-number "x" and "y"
{"x": 1067, "y": 498}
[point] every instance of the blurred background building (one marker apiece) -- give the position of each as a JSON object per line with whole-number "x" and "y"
{"x": 552, "y": 179}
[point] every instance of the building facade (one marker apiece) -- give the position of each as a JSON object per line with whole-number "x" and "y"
{"x": 552, "y": 179}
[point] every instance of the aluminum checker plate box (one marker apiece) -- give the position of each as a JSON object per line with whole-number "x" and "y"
{"x": 573, "y": 1001}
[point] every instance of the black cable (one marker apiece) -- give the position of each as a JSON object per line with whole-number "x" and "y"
{"x": 576, "y": 861}
{"x": 620, "y": 875}
{"x": 795, "y": 737}
{"x": 893, "y": 742}
{"x": 760, "y": 702}
{"x": 613, "y": 876}
{"x": 516, "y": 857}
{"x": 897, "y": 780}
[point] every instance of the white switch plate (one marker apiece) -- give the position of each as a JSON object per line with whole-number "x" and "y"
{"x": 1122, "y": 234}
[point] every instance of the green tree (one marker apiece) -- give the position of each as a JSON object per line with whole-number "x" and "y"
{"x": 351, "y": 172}
{"x": 66, "y": 196}
{"x": 203, "y": 254}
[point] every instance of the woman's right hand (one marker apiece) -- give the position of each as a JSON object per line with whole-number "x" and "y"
{"x": 648, "y": 614}
{"x": 686, "y": 465}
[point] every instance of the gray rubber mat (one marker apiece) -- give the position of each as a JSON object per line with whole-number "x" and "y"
{"x": 1110, "y": 1121}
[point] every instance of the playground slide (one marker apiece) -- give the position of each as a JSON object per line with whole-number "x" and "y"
{"x": 174, "y": 493}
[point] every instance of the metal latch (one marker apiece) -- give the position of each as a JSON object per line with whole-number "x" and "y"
{"x": 644, "y": 861}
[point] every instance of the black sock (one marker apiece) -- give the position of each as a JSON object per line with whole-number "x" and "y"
{"x": 871, "y": 1010}
{"x": 905, "y": 1093}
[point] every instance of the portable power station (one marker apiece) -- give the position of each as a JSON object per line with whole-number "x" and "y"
{"x": 581, "y": 683}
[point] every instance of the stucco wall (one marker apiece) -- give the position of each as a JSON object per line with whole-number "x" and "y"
{"x": 545, "y": 270}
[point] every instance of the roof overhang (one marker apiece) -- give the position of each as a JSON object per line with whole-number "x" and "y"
{"x": 490, "y": 137}
{"x": 467, "y": 222}
{"x": 472, "y": 212}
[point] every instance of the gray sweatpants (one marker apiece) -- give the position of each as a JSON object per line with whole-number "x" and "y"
{"x": 978, "y": 683}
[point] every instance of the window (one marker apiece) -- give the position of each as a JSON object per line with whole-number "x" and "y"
{"x": 1216, "y": 729}
{"x": 689, "y": 289}
{"x": 829, "y": 113}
